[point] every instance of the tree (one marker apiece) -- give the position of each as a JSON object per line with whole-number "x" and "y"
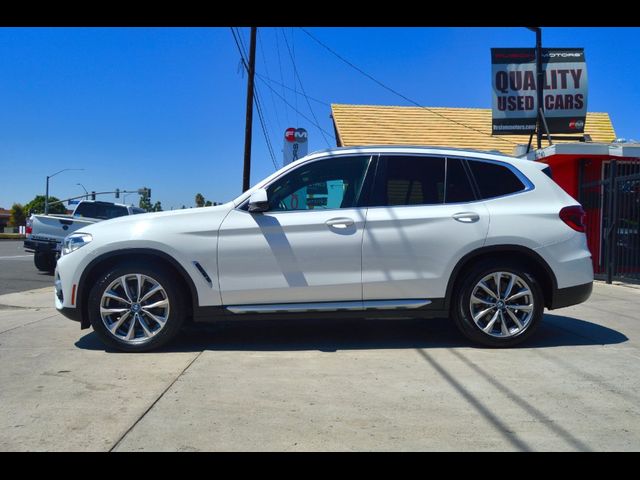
{"x": 157, "y": 207}
{"x": 37, "y": 205}
{"x": 199, "y": 200}
{"x": 145, "y": 203}
{"x": 208, "y": 203}
{"x": 17, "y": 217}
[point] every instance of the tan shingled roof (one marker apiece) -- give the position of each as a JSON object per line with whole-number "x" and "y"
{"x": 438, "y": 126}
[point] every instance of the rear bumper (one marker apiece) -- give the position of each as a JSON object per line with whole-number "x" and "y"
{"x": 32, "y": 245}
{"x": 564, "y": 297}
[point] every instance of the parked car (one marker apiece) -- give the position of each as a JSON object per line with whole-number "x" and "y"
{"x": 45, "y": 233}
{"x": 487, "y": 240}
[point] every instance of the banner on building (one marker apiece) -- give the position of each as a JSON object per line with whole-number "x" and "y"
{"x": 515, "y": 102}
{"x": 295, "y": 144}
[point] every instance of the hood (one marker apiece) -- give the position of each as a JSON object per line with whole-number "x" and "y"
{"x": 184, "y": 220}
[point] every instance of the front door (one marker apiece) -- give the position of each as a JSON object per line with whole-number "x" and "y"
{"x": 306, "y": 247}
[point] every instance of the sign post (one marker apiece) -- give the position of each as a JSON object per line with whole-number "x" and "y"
{"x": 295, "y": 144}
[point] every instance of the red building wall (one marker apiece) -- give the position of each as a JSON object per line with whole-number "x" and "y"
{"x": 566, "y": 173}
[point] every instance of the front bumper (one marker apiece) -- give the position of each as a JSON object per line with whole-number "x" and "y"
{"x": 565, "y": 297}
{"x": 71, "y": 313}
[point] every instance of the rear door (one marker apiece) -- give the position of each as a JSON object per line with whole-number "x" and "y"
{"x": 422, "y": 218}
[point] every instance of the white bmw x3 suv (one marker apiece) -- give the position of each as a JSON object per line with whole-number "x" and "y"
{"x": 484, "y": 239}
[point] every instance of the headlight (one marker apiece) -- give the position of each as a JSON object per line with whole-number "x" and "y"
{"x": 75, "y": 241}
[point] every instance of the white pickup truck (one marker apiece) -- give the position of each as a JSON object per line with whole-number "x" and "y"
{"x": 45, "y": 233}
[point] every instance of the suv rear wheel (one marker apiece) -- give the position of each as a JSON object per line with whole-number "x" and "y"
{"x": 498, "y": 304}
{"x": 136, "y": 307}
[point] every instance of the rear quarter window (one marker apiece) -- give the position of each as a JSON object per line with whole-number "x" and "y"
{"x": 494, "y": 180}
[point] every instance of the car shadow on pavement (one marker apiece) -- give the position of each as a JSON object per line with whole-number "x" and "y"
{"x": 330, "y": 335}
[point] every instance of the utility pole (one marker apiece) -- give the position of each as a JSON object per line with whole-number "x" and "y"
{"x": 246, "y": 172}
{"x": 539, "y": 83}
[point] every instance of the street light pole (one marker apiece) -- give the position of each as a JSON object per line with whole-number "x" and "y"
{"x": 85, "y": 191}
{"x": 46, "y": 194}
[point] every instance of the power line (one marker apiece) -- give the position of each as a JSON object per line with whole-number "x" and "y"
{"x": 239, "y": 44}
{"x": 266, "y": 69}
{"x": 291, "y": 106}
{"x": 264, "y": 128}
{"x": 286, "y": 110}
{"x": 264, "y": 77}
{"x": 395, "y": 92}
{"x": 293, "y": 63}
{"x": 297, "y": 75}
{"x": 242, "y": 54}
{"x": 261, "y": 116}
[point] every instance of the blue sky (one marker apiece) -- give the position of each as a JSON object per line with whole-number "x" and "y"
{"x": 164, "y": 107}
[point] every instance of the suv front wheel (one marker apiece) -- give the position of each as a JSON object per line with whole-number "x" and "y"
{"x": 136, "y": 307}
{"x": 498, "y": 304}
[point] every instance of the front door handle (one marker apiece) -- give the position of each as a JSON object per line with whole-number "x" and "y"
{"x": 466, "y": 217}
{"x": 340, "y": 222}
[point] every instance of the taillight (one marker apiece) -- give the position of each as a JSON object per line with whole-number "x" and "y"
{"x": 575, "y": 217}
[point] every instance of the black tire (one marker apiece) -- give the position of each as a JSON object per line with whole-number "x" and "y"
{"x": 44, "y": 261}
{"x": 174, "y": 296}
{"x": 462, "y": 309}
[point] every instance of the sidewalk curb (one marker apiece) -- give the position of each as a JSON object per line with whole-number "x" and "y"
{"x": 616, "y": 283}
{"x": 37, "y": 298}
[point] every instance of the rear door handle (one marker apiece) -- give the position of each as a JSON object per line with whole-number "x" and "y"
{"x": 340, "y": 222}
{"x": 466, "y": 217}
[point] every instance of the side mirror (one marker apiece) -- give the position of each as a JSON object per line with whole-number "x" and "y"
{"x": 259, "y": 202}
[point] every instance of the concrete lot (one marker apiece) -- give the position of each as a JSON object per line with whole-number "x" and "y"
{"x": 324, "y": 385}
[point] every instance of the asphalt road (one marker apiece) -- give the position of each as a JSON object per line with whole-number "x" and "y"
{"x": 17, "y": 272}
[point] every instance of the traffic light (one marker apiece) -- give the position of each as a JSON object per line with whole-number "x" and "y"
{"x": 93, "y": 195}
{"x": 117, "y": 193}
{"x": 149, "y": 193}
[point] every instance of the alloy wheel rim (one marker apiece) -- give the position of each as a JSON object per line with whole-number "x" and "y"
{"x": 134, "y": 308}
{"x": 502, "y": 304}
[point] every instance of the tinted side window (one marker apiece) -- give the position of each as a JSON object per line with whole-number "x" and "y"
{"x": 494, "y": 180}
{"x": 458, "y": 185}
{"x": 325, "y": 184}
{"x": 406, "y": 180}
{"x": 99, "y": 210}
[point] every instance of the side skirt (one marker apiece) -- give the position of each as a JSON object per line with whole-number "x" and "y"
{"x": 405, "y": 308}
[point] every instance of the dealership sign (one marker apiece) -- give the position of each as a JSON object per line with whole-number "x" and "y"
{"x": 515, "y": 102}
{"x": 295, "y": 144}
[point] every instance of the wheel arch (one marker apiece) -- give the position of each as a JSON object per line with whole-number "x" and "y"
{"x": 523, "y": 255}
{"x": 97, "y": 266}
